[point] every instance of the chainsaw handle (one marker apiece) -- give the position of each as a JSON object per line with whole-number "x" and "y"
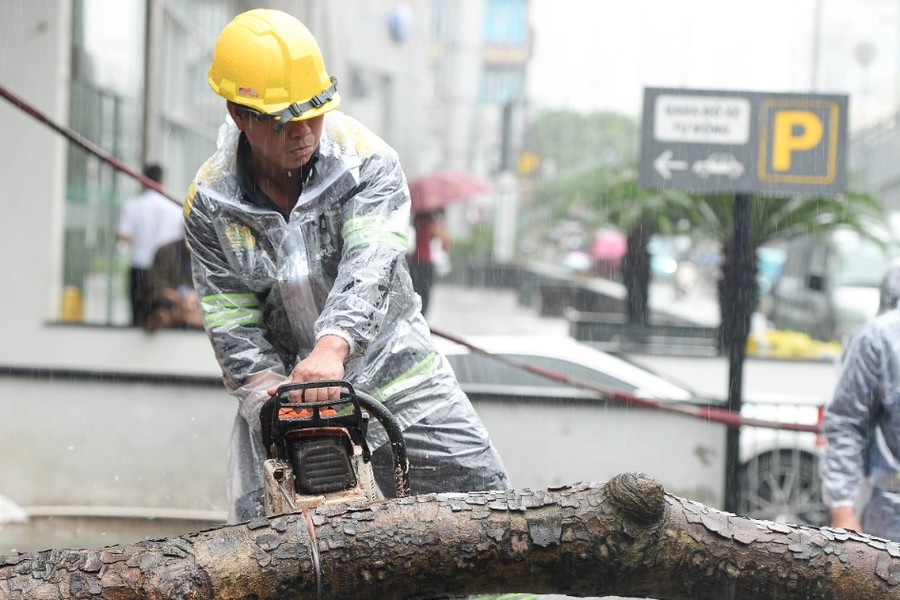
{"x": 269, "y": 415}
{"x": 284, "y": 390}
{"x": 395, "y": 435}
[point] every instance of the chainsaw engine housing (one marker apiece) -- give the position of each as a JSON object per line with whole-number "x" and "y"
{"x": 317, "y": 452}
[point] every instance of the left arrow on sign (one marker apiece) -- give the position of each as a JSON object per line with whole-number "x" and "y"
{"x": 664, "y": 164}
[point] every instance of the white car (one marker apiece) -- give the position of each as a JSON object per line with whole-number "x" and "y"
{"x": 550, "y": 433}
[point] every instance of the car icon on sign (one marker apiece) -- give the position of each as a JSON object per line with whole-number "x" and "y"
{"x": 718, "y": 163}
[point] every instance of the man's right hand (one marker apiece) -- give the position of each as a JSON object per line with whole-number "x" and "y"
{"x": 843, "y": 516}
{"x": 325, "y": 362}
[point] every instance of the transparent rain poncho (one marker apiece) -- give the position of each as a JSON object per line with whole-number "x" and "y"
{"x": 862, "y": 426}
{"x": 270, "y": 287}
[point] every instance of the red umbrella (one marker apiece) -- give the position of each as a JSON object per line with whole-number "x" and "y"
{"x": 435, "y": 191}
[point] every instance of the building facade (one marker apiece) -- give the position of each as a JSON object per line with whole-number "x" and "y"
{"x": 111, "y": 415}
{"x": 432, "y": 77}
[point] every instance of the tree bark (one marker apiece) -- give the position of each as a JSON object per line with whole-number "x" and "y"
{"x": 625, "y": 537}
{"x": 636, "y": 275}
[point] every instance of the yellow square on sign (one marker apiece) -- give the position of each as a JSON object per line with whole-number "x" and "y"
{"x": 798, "y": 141}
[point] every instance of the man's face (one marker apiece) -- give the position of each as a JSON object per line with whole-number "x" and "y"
{"x": 289, "y": 149}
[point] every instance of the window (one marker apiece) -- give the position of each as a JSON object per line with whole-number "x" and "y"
{"x": 500, "y": 85}
{"x": 506, "y": 22}
{"x": 170, "y": 117}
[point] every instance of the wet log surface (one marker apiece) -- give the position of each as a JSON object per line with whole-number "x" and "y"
{"x": 624, "y": 537}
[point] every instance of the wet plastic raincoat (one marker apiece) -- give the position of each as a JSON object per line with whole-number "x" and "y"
{"x": 862, "y": 426}
{"x": 271, "y": 286}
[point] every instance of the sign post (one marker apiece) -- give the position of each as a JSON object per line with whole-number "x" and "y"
{"x": 742, "y": 143}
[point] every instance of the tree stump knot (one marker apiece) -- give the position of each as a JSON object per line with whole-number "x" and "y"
{"x": 640, "y": 498}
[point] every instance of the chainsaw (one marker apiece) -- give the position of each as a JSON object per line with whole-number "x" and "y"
{"x": 317, "y": 451}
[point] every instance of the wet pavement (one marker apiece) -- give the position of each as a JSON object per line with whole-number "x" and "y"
{"x": 464, "y": 310}
{"x": 467, "y": 310}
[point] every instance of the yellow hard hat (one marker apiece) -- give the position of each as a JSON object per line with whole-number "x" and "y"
{"x": 269, "y": 62}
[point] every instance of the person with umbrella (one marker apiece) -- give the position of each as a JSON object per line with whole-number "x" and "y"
{"x": 297, "y": 227}
{"x": 429, "y": 229}
{"x": 429, "y": 195}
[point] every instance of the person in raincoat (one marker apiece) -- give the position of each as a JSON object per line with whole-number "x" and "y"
{"x": 297, "y": 227}
{"x": 862, "y": 424}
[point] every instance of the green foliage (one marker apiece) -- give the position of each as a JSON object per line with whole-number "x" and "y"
{"x": 572, "y": 141}
{"x": 600, "y": 195}
{"x": 477, "y": 247}
{"x": 594, "y": 180}
{"x": 596, "y": 184}
{"x": 786, "y": 217}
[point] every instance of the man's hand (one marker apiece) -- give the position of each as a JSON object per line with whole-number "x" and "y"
{"x": 842, "y": 516}
{"x": 325, "y": 362}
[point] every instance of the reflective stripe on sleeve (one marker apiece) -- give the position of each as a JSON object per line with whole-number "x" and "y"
{"x": 230, "y": 309}
{"x": 421, "y": 369}
{"x": 372, "y": 229}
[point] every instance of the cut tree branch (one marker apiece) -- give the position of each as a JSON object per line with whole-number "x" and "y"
{"x": 624, "y": 537}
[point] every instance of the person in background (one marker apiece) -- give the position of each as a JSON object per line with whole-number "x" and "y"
{"x": 170, "y": 300}
{"x": 297, "y": 227}
{"x": 862, "y": 424}
{"x": 148, "y": 222}
{"x": 429, "y": 229}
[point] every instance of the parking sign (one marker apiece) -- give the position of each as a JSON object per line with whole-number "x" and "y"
{"x": 743, "y": 142}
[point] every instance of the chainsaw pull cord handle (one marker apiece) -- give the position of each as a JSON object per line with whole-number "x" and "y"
{"x": 395, "y": 437}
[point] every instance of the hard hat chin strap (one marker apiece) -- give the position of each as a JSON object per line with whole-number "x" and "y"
{"x": 296, "y": 109}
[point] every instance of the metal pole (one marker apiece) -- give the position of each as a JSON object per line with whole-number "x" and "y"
{"x": 737, "y": 351}
{"x": 84, "y": 143}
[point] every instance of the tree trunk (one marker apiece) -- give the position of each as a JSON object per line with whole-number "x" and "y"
{"x": 625, "y": 537}
{"x": 636, "y": 275}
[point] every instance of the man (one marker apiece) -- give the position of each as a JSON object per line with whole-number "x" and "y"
{"x": 148, "y": 222}
{"x": 297, "y": 227}
{"x": 862, "y": 425}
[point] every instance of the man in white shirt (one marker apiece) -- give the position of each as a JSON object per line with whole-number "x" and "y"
{"x": 148, "y": 222}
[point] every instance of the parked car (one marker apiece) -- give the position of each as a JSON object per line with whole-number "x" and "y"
{"x": 829, "y": 283}
{"x": 551, "y": 433}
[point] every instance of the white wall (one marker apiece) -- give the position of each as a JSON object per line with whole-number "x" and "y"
{"x": 143, "y": 445}
{"x": 32, "y": 160}
{"x": 544, "y": 445}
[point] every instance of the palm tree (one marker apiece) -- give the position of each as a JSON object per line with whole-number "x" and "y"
{"x": 596, "y": 196}
{"x": 641, "y": 213}
{"x": 774, "y": 218}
